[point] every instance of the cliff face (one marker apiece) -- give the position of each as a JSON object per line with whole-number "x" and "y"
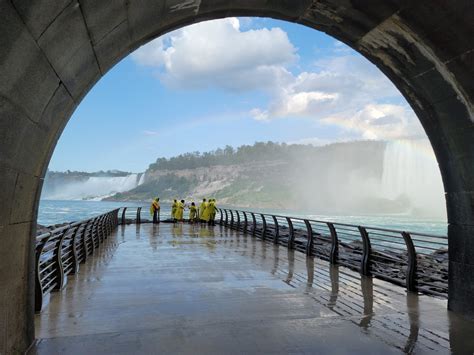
{"x": 233, "y": 184}
{"x": 330, "y": 178}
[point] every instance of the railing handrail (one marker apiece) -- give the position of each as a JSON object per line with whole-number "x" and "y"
{"x": 60, "y": 250}
{"x": 71, "y": 224}
{"x": 346, "y": 224}
{"x": 302, "y": 219}
{"x": 367, "y": 249}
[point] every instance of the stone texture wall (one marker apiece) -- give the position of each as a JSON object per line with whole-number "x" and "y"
{"x": 53, "y": 51}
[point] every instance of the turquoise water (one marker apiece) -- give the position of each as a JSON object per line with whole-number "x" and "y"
{"x": 54, "y": 212}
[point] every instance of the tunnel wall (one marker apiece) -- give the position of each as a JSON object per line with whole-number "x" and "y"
{"x": 53, "y": 51}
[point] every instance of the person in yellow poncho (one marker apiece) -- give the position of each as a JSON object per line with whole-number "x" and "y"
{"x": 192, "y": 213}
{"x": 174, "y": 208}
{"x": 180, "y": 211}
{"x": 206, "y": 212}
{"x": 212, "y": 211}
{"x": 202, "y": 208}
{"x": 155, "y": 210}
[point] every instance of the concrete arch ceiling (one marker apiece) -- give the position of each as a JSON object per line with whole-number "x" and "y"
{"x": 53, "y": 51}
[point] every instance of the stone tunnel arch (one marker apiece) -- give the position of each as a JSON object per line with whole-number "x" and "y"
{"x": 53, "y": 52}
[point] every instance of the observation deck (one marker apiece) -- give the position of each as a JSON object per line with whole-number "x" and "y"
{"x": 164, "y": 288}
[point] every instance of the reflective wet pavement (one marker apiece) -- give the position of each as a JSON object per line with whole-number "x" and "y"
{"x": 186, "y": 289}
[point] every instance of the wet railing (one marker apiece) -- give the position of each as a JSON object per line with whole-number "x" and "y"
{"x": 129, "y": 215}
{"x": 416, "y": 261}
{"x": 60, "y": 251}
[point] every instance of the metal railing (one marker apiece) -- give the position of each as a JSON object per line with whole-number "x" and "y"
{"x": 417, "y": 261}
{"x": 60, "y": 251}
{"x": 133, "y": 215}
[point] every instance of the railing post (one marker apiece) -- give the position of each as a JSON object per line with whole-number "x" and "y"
{"x": 366, "y": 251}
{"x": 123, "y": 215}
{"x": 84, "y": 240}
{"x": 112, "y": 221}
{"x": 139, "y": 217}
{"x": 411, "y": 263}
{"x": 309, "y": 244}
{"x": 231, "y": 218}
{"x": 116, "y": 221}
{"x": 89, "y": 236}
{"x": 246, "y": 222}
{"x": 333, "y": 255}
{"x": 108, "y": 224}
{"x": 254, "y": 224}
{"x": 99, "y": 229}
{"x": 238, "y": 219}
{"x": 264, "y": 226}
{"x": 291, "y": 234}
{"x": 60, "y": 277}
{"x": 277, "y": 230}
{"x": 75, "y": 267}
{"x": 222, "y": 216}
{"x": 39, "y": 290}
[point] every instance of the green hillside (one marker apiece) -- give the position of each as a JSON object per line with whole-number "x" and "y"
{"x": 264, "y": 174}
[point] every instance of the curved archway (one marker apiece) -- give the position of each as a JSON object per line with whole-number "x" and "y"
{"x": 52, "y": 53}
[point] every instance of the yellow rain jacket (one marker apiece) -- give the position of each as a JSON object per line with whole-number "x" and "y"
{"x": 174, "y": 208}
{"x": 192, "y": 212}
{"x": 155, "y": 206}
{"x": 206, "y": 212}
{"x": 202, "y": 208}
{"x": 213, "y": 209}
{"x": 180, "y": 211}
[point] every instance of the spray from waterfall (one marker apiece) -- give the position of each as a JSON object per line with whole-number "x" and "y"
{"x": 94, "y": 188}
{"x": 411, "y": 174}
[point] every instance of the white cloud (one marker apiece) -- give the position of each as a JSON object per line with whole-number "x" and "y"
{"x": 344, "y": 89}
{"x": 218, "y": 53}
{"x": 349, "y": 92}
{"x": 339, "y": 84}
{"x": 259, "y": 115}
{"x": 379, "y": 121}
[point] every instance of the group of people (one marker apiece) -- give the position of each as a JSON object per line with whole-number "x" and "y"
{"x": 205, "y": 213}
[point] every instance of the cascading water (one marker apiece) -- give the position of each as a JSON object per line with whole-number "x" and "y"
{"x": 411, "y": 174}
{"x": 94, "y": 188}
{"x": 141, "y": 178}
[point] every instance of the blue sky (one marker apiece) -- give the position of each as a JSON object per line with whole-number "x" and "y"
{"x": 231, "y": 81}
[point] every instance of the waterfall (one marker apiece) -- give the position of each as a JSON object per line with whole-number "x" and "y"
{"x": 93, "y": 188}
{"x": 411, "y": 173}
{"x": 141, "y": 179}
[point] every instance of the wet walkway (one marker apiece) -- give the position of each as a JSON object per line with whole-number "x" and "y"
{"x": 186, "y": 290}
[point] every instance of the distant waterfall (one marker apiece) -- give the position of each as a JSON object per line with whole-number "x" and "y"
{"x": 411, "y": 173}
{"x": 141, "y": 178}
{"x": 94, "y": 188}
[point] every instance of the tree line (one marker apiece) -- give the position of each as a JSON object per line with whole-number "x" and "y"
{"x": 260, "y": 151}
